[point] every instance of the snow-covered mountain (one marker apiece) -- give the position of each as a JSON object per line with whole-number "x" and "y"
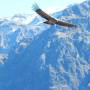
{"x": 37, "y": 56}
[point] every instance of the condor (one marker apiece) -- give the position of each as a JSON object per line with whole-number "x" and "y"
{"x": 51, "y": 20}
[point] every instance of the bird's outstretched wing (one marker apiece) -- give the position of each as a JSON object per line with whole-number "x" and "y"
{"x": 50, "y": 20}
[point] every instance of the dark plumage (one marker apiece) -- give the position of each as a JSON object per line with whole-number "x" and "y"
{"x": 51, "y": 20}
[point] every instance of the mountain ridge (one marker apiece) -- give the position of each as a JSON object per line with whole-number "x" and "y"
{"x": 44, "y": 57}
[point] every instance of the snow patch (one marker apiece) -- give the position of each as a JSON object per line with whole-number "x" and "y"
{"x": 43, "y": 60}
{"x": 3, "y": 57}
{"x": 89, "y": 85}
{"x": 49, "y": 44}
{"x": 61, "y": 34}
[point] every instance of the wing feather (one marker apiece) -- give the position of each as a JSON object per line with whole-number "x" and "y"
{"x": 43, "y": 14}
{"x": 65, "y": 24}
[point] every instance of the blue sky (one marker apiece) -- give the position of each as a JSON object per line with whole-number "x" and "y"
{"x": 12, "y": 7}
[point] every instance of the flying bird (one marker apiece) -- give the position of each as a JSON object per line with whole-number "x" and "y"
{"x": 49, "y": 19}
